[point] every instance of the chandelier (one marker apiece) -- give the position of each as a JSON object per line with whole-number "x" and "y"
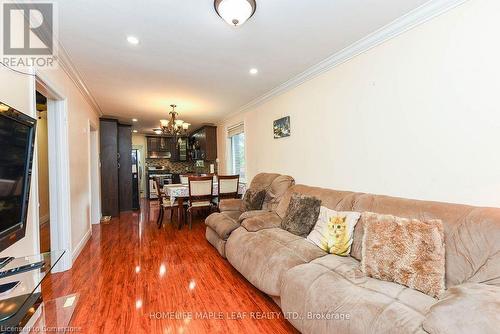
{"x": 235, "y": 12}
{"x": 173, "y": 126}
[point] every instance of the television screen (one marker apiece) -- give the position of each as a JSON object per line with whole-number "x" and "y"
{"x": 17, "y": 132}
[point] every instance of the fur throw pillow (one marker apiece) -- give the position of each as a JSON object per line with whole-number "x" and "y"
{"x": 301, "y": 214}
{"x": 252, "y": 200}
{"x": 406, "y": 251}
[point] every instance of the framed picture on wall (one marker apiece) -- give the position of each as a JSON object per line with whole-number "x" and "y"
{"x": 281, "y": 127}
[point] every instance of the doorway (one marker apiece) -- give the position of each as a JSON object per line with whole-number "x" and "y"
{"x": 43, "y": 172}
{"x": 59, "y": 228}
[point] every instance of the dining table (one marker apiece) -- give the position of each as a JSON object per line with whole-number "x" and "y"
{"x": 180, "y": 192}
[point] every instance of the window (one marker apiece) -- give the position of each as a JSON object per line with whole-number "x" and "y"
{"x": 237, "y": 151}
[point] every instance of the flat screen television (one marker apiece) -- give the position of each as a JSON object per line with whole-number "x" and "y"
{"x": 17, "y": 143}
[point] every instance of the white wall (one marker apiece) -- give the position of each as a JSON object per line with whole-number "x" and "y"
{"x": 417, "y": 116}
{"x": 17, "y": 90}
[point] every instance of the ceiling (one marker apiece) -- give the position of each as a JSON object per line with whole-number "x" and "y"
{"x": 189, "y": 56}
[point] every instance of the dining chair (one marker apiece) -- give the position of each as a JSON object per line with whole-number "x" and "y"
{"x": 228, "y": 187}
{"x": 164, "y": 203}
{"x": 200, "y": 195}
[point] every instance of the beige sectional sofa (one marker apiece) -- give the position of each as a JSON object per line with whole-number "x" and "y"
{"x": 221, "y": 224}
{"x": 324, "y": 293}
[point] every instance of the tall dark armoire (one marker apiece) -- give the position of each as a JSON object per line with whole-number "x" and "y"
{"x": 116, "y": 167}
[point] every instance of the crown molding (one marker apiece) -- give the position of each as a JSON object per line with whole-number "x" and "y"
{"x": 70, "y": 69}
{"x": 420, "y": 15}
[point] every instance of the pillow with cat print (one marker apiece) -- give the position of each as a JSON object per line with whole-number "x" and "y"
{"x": 333, "y": 231}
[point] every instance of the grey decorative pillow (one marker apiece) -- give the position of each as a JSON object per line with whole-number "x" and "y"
{"x": 301, "y": 215}
{"x": 253, "y": 200}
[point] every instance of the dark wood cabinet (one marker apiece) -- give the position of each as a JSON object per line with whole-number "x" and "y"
{"x": 125, "y": 166}
{"x": 108, "y": 133}
{"x": 159, "y": 147}
{"x": 175, "y": 149}
{"x": 182, "y": 149}
{"x": 152, "y": 144}
{"x": 116, "y": 167}
{"x": 203, "y": 143}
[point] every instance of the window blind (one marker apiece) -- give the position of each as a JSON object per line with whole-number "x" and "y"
{"x": 235, "y": 130}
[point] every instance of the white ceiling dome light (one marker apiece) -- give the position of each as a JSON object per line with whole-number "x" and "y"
{"x": 235, "y": 12}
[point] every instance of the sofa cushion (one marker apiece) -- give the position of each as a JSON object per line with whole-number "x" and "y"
{"x": 276, "y": 191}
{"x": 264, "y": 256}
{"x": 262, "y": 181}
{"x": 230, "y": 204}
{"x": 262, "y": 221}
{"x": 234, "y": 215}
{"x": 332, "y": 199}
{"x": 331, "y": 295}
{"x": 301, "y": 215}
{"x": 465, "y": 309}
{"x": 472, "y": 234}
{"x": 251, "y": 214}
{"x": 222, "y": 224}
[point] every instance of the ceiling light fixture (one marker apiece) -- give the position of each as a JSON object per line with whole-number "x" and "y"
{"x": 254, "y": 71}
{"x": 133, "y": 40}
{"x": 172, "y": 126}
{"x": 235, "y": 12}
{"x": 135, "y": 131}
{"x": 135, "y": 120}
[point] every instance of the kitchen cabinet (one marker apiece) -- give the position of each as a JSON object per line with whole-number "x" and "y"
{"x": 125, "y": 166}
{"x": 116, "y": 166}
{"x": 168, "y": 148}
{"x": 108, "y": 134}
{"x": 203, "y": 143}
{"x": 159, "y": 147}
{"x": 182, "y": 149}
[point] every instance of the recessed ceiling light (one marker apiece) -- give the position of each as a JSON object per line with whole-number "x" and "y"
{"x": 133, "y": 40}
{"x": 135, "y": 131}
{"x": 254, "y": 71}
{"x": 135, "y": 120}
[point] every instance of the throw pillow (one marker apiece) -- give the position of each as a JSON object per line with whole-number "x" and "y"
{"x": 406, "y": 251}
{"x": 301, "y": 214}
{"x": 252, "y": 200}
{"x": 334, "y": 230}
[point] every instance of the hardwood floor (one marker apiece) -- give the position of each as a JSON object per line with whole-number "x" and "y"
{"x": 134, "y": 278}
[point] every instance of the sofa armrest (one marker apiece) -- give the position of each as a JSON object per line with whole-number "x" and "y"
{"x": 261, "y": 222}
{"x": 467, "y": 308}
{"x": 221, "y": 224}
{"x": 230, "y": 204}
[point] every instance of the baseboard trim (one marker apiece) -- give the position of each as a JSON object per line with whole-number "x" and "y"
{"x": 78, "y": 249}
{"x": 402, "y": 24}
